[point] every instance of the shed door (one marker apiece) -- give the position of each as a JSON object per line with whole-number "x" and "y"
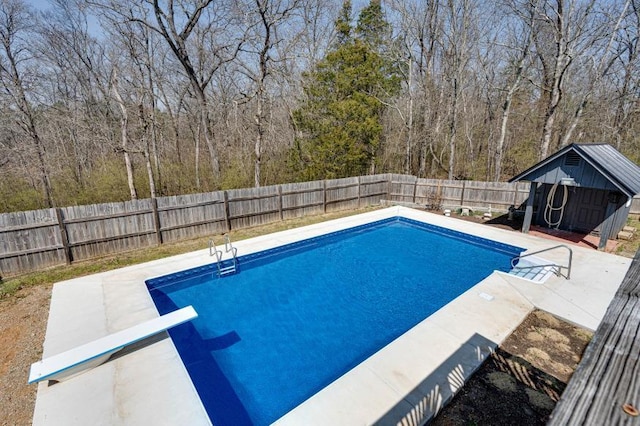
{"x": 586, "y": 208}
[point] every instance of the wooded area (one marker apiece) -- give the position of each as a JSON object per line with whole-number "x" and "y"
{"x": 37, "y": 239}
{"x": 113, "y": 100}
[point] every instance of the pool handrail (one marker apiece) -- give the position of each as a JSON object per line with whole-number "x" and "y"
{"x": 228, "y": 247}
{"x": 560, "y": 267}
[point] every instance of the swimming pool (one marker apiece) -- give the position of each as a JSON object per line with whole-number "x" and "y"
{"x": 297, "y": 317}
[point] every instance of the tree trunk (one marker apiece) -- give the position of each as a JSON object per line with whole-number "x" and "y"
{"x": 452, "y": 128}
{"x": 207, "y": 131}
{"x": 146, "y": 144}
{"x": 197, "y": 154}
{"x": 506, "y": 109}
{"x": 124, "y": 121}
{"x": 549, "y": 119}
{"x": 409, "y": 122}
{"x": 259, "y": 136}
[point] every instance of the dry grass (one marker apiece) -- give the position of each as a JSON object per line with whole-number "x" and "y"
{"x": 630, "y": 248}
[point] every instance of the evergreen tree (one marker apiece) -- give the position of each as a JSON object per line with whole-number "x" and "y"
{"x": 372, "y": 28}
{"x": 340, "y": 122}
{"x": 343, "y": 23}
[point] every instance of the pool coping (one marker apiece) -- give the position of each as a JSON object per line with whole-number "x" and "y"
{"x": 410, "y": 378}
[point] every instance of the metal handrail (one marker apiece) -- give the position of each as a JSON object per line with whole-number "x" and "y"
{"x": 214, "y": 250}
{"x": 229, "y": 248}
{"x": 559, "y": 273}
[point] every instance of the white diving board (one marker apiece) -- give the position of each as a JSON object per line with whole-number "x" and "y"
{"x": 94, "y": 353}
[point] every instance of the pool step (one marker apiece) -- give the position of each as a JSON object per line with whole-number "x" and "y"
{"x": 534, "y": 269}
{"x": 537, "y": 274}
{"x": 227, "y": 270}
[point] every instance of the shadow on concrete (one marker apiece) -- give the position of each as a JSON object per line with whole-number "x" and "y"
{"x": 430, "y": 396}
{"x": 504, "y": 389}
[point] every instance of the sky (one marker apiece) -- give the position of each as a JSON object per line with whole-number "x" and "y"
{"x": 39, "y": 4}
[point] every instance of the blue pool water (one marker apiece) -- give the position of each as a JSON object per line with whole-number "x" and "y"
{"x": 295, "y": 318}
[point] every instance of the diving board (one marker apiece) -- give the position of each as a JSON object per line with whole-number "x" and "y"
{"x": 98, "y": 351}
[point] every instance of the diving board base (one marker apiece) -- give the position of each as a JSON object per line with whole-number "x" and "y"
{"x": 92, "y": 354}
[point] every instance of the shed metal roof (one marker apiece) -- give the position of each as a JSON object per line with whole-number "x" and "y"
{"x": 618, "y": 169}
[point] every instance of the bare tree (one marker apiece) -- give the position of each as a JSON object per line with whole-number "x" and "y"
{"x": 420, "y": 27}
{"x": 178, "y": 23}
{"x": 522, "y": 31}
{"x": 138, "y": 43}
{"x": 124, "y": 132}
{"x": 16, "y": 75}
{"x": 457, "y": 35}
{"x": 627, "y": 85}
{"x": 559, "y": 39}
{"x": 167, "y": 22}
{"x": 315, "y": 33}
{"x": 600, "y": 67}
{"x": 263, "y": 38}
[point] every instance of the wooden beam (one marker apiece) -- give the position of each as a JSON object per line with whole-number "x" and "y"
{"x": 528, "y": 212}
{"x": 607, "y": 225}
{"x": 156, "y": 220}
{"x": 606, "y": 379}
{"x": 64, "y": 236}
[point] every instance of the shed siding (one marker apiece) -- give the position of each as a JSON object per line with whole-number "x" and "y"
{"x": 619, "y": 220}
{"x": 584, "y": 174}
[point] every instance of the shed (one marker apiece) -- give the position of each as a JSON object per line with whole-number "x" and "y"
{"x": 582, "y": 188}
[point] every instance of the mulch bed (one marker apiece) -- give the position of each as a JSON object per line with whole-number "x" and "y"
{"x": 522, "y": 381}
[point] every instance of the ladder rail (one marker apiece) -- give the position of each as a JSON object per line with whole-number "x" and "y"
{"x": 213, "y": 250}
{"x": 559, "y": 267}
{"x": 228, "y": 247}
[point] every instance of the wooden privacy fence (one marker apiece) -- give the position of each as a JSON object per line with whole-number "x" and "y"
{"x": 437, "y": 193}
{"x": 38, "y": 239}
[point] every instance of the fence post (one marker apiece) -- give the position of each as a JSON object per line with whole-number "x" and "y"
{"x": 227, "y": 219}
{"x": 415, "y": 188}
{"x": 358, "y": 180}
{"x": 280, "y": 202}
{"x": 515, "y": 195}
{"x": 324, "y": 196}
{"x": 462, "y": 194}
{"x": 156, "y": 220}
{"x": 64, "y": 236}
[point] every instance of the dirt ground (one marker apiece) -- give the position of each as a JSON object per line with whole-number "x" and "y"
{"x": 522, "y": 381}
{"x": 23, "y": 322}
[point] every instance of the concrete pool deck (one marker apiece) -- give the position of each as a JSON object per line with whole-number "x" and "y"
{"x": 406, "y": 381}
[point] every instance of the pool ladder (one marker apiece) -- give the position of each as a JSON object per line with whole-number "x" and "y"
{"x": 213, "y": 250}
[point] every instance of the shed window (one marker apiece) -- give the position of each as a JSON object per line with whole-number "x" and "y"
{"x": 572, "y": 159}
